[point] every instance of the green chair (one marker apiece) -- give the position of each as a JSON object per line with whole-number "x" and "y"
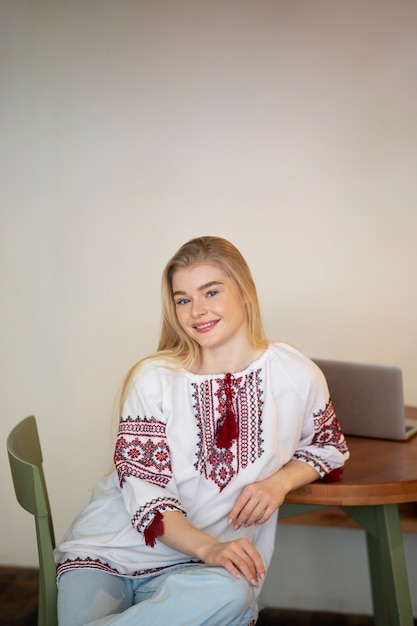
{"x": 25, "y": 458}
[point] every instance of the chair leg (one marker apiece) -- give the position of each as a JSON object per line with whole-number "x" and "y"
{"x": 388, "y": 570}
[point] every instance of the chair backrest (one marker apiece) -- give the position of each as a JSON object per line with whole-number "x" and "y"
{"x": 25, "y": 458}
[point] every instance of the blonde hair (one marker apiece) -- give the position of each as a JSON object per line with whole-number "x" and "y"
{"x": 174, "y": 344}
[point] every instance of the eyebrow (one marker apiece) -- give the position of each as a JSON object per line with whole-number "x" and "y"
{"x": 212, "y": 283}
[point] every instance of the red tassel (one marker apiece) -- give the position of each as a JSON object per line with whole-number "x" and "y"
{"x": 334, "y": 475}
{"x": 227, "y": 432}
{"x": 154, "y": 529}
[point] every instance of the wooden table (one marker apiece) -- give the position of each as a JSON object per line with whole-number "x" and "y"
{"x": 378, "y": 476}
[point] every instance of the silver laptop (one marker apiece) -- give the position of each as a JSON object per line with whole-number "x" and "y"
{"x": 368, "y": 399}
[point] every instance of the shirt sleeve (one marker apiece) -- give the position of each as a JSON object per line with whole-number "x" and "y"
{"x": 142, "y": 455}
{"x": 322, "y": 444}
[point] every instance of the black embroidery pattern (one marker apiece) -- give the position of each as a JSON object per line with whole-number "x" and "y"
{"x": 145, "y": 514}
{"x": 326, "y": 432}
{"x": 210, "y": 399}
{"x": 88, "y": 562}
{"x": 142, "y": 451}
{"x": 327, "y": 428}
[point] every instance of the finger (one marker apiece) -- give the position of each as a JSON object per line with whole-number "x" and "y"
{"x": 257, "y": 561}
{"x": 237, "y": 557}
{"x": 246, "y": 567}
{"x": 256, "y": 567}
{"x": 248, "y": 560}
{"x": 255, "y": 514}
{"x": 266, "y": 515}
{"x": 251, "y": 513}
{"x": 246, "y": 515}
{"x": 232, "y": 569}
{"x": 260, "y": 513}
{"x": 239, "y": 505}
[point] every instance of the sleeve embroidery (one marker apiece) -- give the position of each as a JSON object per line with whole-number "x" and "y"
{"x": 142, "y": 451}
{"x": 146, "y": 514}
{"x": 327, "y": 432}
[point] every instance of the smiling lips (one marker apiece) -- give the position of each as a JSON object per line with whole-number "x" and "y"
{"x": 206, "y": 326}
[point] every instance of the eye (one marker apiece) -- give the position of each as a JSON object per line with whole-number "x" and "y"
{"x": 182, "y": 301}
{"x": 211, "y": 293}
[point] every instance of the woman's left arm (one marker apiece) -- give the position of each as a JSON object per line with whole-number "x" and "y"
{"x": 259, "y": 500}
{"x": 321, "y": 449}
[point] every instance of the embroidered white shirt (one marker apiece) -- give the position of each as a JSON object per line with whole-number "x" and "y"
{"x": 166, "y": 457}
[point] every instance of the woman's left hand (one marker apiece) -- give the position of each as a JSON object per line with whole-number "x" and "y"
{"x": 258, "y": 501}
{"x": 255, "y": 505}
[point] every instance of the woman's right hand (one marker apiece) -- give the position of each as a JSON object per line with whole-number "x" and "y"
{"x": 239, "y": 557}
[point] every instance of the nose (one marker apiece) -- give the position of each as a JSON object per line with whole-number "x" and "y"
{"x": 198, "y": 309}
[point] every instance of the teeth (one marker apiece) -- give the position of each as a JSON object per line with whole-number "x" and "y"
{"x": 202, "y": 326}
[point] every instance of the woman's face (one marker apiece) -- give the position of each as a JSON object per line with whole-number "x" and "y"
{"x": 209, "y": 306}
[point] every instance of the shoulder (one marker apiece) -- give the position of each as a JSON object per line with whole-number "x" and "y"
{"x": 288, "y": 355}
{"x": 296, "y": 366}
{"x": 155, "y": 369}
{"x": 150, "y": 384}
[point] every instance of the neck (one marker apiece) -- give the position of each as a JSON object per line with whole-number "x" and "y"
{"x": 223, "y": 361}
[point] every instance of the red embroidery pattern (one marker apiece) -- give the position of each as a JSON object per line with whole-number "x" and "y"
{"x": 227, "y": 426}
{"x": 90, "y": 563}
{"x": 326, "y": 432}
{"x": 319, "y": 464}
{"x": 213, "y": 398}
{"x": 327, "y": 428}
{"x": 144, "y": 516}
{"x": 142, "y": 451}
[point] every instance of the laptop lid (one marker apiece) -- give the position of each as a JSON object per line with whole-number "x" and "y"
{"x": 368, "y": 399}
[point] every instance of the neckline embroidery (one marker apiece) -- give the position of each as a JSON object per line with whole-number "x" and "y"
{"x": 228, "y": 413}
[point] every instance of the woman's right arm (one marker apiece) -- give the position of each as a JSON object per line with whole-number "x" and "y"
{"x": 149, "y": 493}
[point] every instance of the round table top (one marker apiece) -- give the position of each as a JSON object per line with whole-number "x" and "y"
{"x": 377, "y": 472}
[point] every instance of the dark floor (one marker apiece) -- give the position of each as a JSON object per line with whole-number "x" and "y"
{"x": 18, "y": 606}
{"x": 18, "y": 596}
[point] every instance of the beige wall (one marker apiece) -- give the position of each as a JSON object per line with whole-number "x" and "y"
{"x": 129, "y": 127}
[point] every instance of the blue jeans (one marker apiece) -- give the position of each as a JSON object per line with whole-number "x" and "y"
{"x": 191, "y": 595}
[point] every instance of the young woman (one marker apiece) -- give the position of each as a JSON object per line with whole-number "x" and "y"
{"x": 216, "y": 428}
